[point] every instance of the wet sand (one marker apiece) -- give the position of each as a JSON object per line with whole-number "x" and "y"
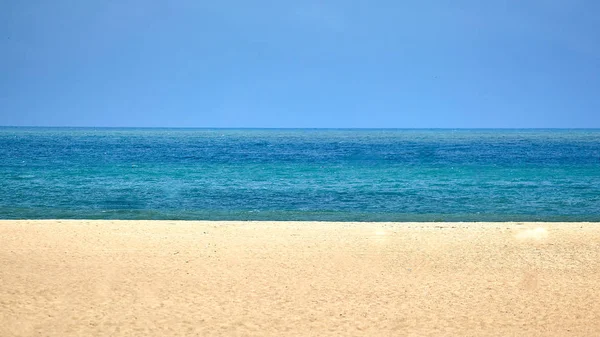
{"x": 171, "y": 278}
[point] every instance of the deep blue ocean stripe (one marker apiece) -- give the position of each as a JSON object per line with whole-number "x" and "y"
{"x": 300, "y": 174}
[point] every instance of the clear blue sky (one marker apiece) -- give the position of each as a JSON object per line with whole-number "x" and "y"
{"x": 309, "y": 63}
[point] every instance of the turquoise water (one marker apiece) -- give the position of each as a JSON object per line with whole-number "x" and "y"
{"x": 341, "y": 175}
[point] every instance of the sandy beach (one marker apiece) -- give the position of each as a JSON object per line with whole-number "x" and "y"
{"x": 170, "y": 278}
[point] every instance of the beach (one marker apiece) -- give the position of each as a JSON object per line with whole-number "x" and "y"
{"x": 195, "y": 278}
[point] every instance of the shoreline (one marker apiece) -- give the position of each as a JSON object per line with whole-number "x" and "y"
{"x": 268, "y": 278}
{"x": 511, "y": 222}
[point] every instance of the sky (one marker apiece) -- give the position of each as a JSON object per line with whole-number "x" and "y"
{"x": 316, "y": 64}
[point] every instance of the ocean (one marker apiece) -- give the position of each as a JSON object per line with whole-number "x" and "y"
{"x": 300, "y": 174}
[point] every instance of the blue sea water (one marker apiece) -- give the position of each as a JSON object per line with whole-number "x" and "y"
{"x": 303, "y": 174}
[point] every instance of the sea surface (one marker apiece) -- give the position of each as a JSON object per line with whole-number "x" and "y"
{"x": 300, "y": 174}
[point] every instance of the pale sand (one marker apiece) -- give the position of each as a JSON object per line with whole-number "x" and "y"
{"x": 145, "y": 278}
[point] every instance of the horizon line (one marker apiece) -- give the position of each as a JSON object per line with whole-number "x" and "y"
{"x": 296, "y": 128}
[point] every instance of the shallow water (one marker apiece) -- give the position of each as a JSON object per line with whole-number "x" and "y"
{"x": 338, "y": 175}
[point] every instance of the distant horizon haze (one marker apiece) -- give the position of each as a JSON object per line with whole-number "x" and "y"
{"x": 292, "y": 128}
